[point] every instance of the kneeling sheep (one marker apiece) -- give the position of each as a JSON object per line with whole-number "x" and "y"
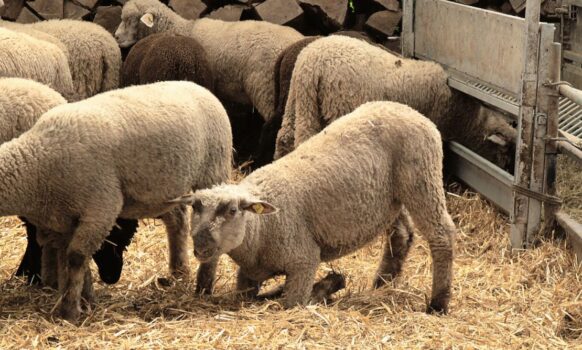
{"x": 335, "y": 194}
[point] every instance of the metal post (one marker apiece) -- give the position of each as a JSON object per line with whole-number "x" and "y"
{"x": 526, "y": 127}
{"x": 552, "y": 107}
{"x": 408, "y": 28}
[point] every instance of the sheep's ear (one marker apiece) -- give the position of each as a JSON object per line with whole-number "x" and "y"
{"x": 186, "y": 199}
{"x": 497, "y": 139}
{"x": 148, "y": 20}
{"x": 258, "y": 207}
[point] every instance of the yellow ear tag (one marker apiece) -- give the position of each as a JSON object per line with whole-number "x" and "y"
{"x": 258, "y": 208}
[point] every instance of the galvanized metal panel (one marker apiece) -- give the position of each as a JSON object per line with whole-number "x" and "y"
{"x": 481, "y": 175}
{"x": 482, "y": 44}
{"x": 574, "y": 231}
{"x": 407, "y": 28}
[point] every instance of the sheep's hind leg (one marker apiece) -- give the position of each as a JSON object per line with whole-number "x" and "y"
{"x": 395, "y": 250}
{"x": 435, "y": 224}
{"x": 176, "y": 222}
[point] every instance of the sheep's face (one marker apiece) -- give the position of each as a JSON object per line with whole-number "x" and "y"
{"x": 499, "y": 138}
{"x": 219, "y": 220}
{"x": 135, "y": 25}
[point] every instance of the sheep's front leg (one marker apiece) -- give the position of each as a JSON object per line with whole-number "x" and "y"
{"x": 205, "y": 277}
{"x": 176, "y": 223}
{"x": 247, "y": 287}
{"x": 395, "y": 250}
{"x": 86, "y": 240}
{"x": 49, "y": 266}
{"x": 298, "y": 285}
{"x": 71, "y": 301}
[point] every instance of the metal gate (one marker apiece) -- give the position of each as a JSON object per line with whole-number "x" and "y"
{"x": 514, "y": 65}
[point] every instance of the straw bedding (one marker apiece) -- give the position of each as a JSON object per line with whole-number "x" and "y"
{"x": 569, "y": 186}
{"x": 527, "y": 300}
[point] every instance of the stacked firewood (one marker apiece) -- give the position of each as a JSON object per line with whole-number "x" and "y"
{"x": 378, "y": 19}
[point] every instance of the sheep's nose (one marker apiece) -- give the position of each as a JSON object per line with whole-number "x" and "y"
{"x": 204, "y": 243}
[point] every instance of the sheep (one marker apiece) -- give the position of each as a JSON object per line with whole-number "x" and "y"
{"x": 95, "y": 57}
{"x": 120, "y": 154}
{"x": 37, "y": 34}
{"x": 282, "y": 77}
{"x": 334, "y": 75}
{"x": 283, "y": 72}
{"x": 23, "y": 56}
{"x": 242, "y": 54}
{"x": 166, "y": 56}
{"x": 331, "y": 196}
{"x": 22, "y": 102}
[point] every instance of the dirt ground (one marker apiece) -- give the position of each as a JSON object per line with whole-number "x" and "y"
{"x": 501, "y": 300}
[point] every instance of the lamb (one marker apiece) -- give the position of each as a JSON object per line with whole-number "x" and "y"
{"x": 23, "y": 56}
{"x": 166, "y": 56}
{"x": 242, "y": 54}
{"x": 123, "y": 153}
{"x": 384, "y": 157}
{"x": 334, "y": 75}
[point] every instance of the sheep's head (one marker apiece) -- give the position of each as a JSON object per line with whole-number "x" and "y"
{"x": 219, "y": 219}
{"x": 138, "y": 20}
{"x": 498, "y": 139}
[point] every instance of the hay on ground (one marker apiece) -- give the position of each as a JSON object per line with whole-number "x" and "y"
{"x": 501, "y": 300}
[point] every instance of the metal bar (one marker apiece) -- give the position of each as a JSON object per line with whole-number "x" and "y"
{"x": 481, "y": 175}
{"x": 523, "y": 164}
{"x": 570, "y": 151}
{"x": 549, "y": 101}
{"x": 572, "y": 93}
{"x": 408, "y": 28}
{"x": 489, "y": 98}
{"x": 574, "y": 231}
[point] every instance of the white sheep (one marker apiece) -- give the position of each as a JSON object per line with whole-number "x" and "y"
{"x": 23, "y": 56}
{"x": 94, "y": 56}
{"x": 335, "y": 193}
{"x": 335, "y": 75}
{"x": 242, "y": 54}
{"x": 27, "y": 29}
{"x": 123, "y": 153}
{"x": 22, "y": 102}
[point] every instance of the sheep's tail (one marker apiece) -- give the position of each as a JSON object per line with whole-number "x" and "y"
{"x": 304, "y": 91}
{"x": 111, "y": 67}
{"x": 64, "y": 80}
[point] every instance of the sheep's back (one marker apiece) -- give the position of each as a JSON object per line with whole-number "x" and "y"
{"x": 95, "y": 55}
{"x": 343, "y": 185}
{"x": 22, "y": 102}
{"x": 23, "y": 56}
{"x": 165, "y": 133}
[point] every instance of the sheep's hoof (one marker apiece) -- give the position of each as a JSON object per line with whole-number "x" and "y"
{"x": 166, "y": 282}
{"x": 437, "y": 308}
{"x": 69, "y": 313}
{"x": 330, "y": 284}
